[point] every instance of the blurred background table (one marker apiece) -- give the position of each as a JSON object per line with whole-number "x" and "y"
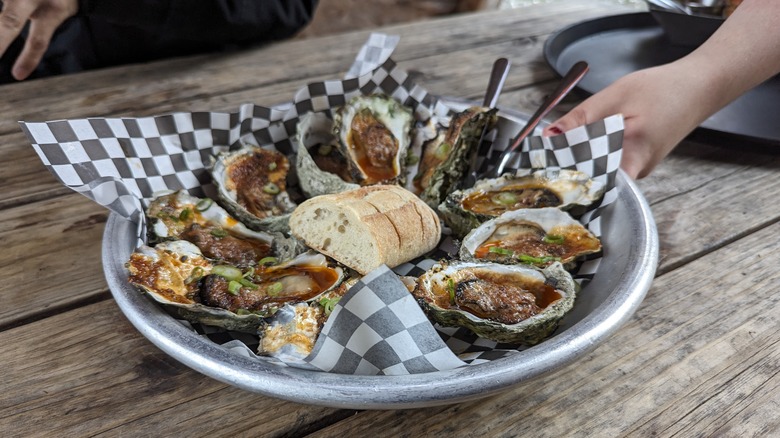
{"x": 699, "y": 357}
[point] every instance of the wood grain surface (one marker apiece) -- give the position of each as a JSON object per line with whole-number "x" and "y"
{"x": 700, "y": 356}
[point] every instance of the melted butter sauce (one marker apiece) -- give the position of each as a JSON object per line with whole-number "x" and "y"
{"x": 496, "y": 202}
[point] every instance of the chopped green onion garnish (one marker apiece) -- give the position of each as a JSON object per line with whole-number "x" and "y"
{"x": 272, "y": 165}
{"x": 324, "y": 149}
{"x": 234, "y": 287}
{"x": 553, "y": 238}
{"x": 247, "y": 283}
{"x": 203, "y": 204}
{"x": 274, "y": 289}
{"x": 267, "y": 261}
{"x": 502, "y": 251}
{"x": 451, "y": 289}
{"x": 531, "y": 260}
{"x": 412, "y": 159}
{"x": 505, "y": 198}
{"x": 195, "y": 275}
{"x": 328, "y": 304}
{"x": 443, "y": 151}
{"x": 249, "y": 273}
{"x": 271, "y": 188}
{"x": 227, "y": 271}
{"x": 185, "y": 214}
{"x": 219, "y": 233}
{"x": 243, "y": 312}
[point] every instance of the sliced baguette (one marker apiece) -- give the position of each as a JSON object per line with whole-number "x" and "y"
{"x": 367, "y": 227}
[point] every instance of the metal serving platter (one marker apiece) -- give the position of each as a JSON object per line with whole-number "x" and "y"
{"x": 627, "y": 269}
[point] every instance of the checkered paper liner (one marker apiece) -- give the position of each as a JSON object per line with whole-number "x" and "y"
{"x": 377, "y": 327}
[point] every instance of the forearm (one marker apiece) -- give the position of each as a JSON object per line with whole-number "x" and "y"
{"x": 744, "y": 52}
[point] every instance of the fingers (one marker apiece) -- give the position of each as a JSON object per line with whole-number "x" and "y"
{"x": 576, "y": 117}
{"x": 38, "y": 39}
{"x": 12, "y": 20}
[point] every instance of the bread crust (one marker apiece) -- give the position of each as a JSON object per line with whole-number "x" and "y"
{"x": 367, "y": 227}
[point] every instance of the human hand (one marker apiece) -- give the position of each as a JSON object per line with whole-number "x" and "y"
{"x": 45, "y": 17}
{"x": 660, "y": 106}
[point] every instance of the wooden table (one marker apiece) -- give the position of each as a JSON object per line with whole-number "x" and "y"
{"x": 699, "y": 357}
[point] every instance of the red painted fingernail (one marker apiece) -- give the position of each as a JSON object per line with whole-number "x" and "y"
{"x": 555, "y": 130}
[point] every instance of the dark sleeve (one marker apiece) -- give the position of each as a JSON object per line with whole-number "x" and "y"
{"x": 139, "y": 30}
{"x": 225, "y": 21}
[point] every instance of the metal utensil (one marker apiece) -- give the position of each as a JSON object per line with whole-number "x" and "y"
{"x": 496, "y": 82}
{"x": 568, "y": 82}
{"x": 672, "y": 5}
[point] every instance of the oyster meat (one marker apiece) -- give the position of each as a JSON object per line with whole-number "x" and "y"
{"x": 176, "y": 273}
{"x": 504, "y": 303}
{"x": 374, "y": 134}
{"x": 533, "y": 236}
{"x": 464, "y": 210}
{"x": 445, "y": 158}
{"x": 252, "y": 186}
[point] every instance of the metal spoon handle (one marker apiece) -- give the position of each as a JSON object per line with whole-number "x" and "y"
{"x": 496, "y": 82}
{"x": 568, "y": 82}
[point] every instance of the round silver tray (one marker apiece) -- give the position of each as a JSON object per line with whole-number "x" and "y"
{"x": 627, "y": 269}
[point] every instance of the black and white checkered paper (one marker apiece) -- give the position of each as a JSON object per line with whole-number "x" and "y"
{"x": 377, "y": 328}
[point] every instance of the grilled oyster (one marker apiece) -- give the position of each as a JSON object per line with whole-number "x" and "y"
{"x": 176, "y": 273}
{"x": 321, "y": 167}
{"x": 464, "y": 210}
{"x": 503, "y": 303}
{"x": 219, "y": 236}
{"x": 445, "y": 158}
{"x": 251, "y": 184}
{"x": 533, "y": 236}
{"x": 374, "y": 134}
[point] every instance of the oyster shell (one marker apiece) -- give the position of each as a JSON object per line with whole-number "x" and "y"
{"x": 291, "y": 335}
{"x": 251, "y": 184}
{"x": 374, "y": 134}
{"x": 504, "y": 303}
{"x": 533, "y": 236}
{"x": 445, "y": 158}
{"x": 293, "y": 331}
{"x": 464, "y": 210}
{"x": 321, "y": 167}
{"x": 176, "y": 273}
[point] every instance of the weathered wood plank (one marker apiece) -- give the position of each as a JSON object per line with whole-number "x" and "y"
{"x": 145, "y": 86}
{"x": 700, "y": 347}
{"x": 51, "y": 256}
{"x": 88, "y": 371}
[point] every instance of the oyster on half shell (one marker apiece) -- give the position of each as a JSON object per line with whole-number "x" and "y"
{"x": 504, "y": 303}
{"x": 374, "y": 134}
{"x": 176, "y": 273}
{"x": 251, "y": 184}
{"x": 535, "y": 236}
{"x": 445, "y": 158}
{"x": 181, "y": 216}
{"x": 464, "y": 210}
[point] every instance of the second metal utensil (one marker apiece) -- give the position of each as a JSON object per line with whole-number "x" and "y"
{"x": 568, "y": 82}
{"x": 496, "y": 82}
